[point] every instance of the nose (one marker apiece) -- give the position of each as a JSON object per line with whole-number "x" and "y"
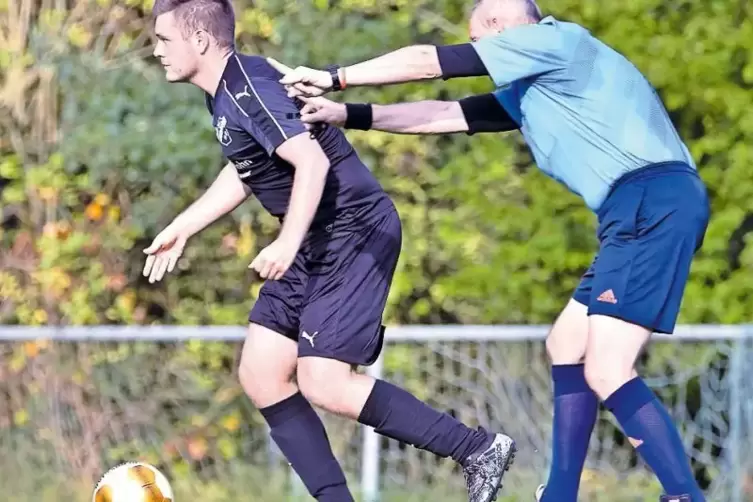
{"x": 157, "y": 50}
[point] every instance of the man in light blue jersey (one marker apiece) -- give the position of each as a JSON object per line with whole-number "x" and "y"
{"x": 596, "y": 125}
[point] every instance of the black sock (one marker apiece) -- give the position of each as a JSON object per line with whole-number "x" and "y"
{"x": 299, "y": 433}
{"x": 397, "y": 414}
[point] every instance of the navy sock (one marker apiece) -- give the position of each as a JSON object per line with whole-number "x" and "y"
{"x": 575, "y": 409}
{"x": 650, "y": 429}
{"x": 300, "y": 435}
{"x": 397, "y": 414}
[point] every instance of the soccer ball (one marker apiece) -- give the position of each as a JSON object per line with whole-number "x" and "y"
{"x": 133, "y": 482}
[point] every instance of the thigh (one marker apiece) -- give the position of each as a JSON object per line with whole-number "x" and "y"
{"x": 279, "y": 305}
{"x": 268, "y": 357}
{"x": 614, "y": 342}
{"x": 611, "y": 352}
{"x": 349, "y": 283}
{"x": 566, "y": 342}
{"x": 268, "y": 365}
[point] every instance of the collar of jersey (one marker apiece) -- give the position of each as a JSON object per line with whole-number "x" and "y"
{"x": 548, "y": 20}
{"x": 230, "y": 60}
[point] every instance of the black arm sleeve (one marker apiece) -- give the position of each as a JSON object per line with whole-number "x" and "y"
{"x": 484, "y": 114}
{"x": 460, "y": 60}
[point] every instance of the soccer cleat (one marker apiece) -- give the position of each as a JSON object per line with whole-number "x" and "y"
{"x": 675, "y": 498}
{"x": 539, "y": 493}
{"x": 483, "y": 471}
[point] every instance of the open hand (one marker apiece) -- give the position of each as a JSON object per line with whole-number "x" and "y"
{"x": 163, "y": 253}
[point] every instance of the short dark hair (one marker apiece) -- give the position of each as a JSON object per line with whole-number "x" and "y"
{"x": 216, "y": 17}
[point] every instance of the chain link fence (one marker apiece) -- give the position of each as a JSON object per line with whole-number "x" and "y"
{"x": 76, "y": 401}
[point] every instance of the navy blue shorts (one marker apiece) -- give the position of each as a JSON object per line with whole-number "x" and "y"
{"x": 650, "y": 227}
{"x": 332, "y": 298}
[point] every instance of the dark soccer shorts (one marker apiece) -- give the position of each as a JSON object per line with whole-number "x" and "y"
{"x": 650, "y": 226}
{"x": 332, "y": 298}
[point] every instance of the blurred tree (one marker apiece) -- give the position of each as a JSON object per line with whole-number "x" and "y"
{"x": 97, "y": 146}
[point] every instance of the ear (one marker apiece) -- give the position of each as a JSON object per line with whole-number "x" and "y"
{"x": 201, "y": 41}
{"x": 495, "y": 24}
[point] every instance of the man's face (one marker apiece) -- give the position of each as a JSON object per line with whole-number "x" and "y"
{"x": 176, "y": 53}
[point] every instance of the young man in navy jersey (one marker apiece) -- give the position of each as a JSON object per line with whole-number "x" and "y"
{"x": 318, "y": 315}
{"x": 594, "y": 123}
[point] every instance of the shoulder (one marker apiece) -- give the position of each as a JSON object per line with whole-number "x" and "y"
{"x": 243, "y": 67}
{"x": 252, "y": 77}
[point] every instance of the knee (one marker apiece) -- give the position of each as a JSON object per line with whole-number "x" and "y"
{"x": 566, "y": 348}
{"x": 605, "y": 374}
{"x": 554, "y": 348}
{"x": 613, "y": 347}
{"x": 264, "y": 383}
{"x": 322, "y": 382}
{"x": 267, "y": 366}
{"x": 566, "y": 343}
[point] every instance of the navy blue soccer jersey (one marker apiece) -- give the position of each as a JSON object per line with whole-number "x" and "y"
{"x": 253, "y": 115}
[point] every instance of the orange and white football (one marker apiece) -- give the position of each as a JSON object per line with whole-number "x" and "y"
{"x": 133, "y": 482}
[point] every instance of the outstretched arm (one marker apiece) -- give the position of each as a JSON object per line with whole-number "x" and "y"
{"x": 413, "y": 63}
{"x": 416, "y": 62}
{"x": 469, "y": 115}
{"x": 526, "y": 51}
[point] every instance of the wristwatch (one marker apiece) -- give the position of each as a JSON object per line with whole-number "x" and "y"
{"x": 333, "y": 72}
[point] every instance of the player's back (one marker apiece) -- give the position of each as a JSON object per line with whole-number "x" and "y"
{"x": 615, "y": 103}
{"x": 253, "y": 116}
{"x": 587, "y": 113}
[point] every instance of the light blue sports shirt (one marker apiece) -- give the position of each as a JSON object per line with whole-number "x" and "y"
{"x": 587, "y": 114}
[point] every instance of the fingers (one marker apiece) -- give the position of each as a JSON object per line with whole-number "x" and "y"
{"x": 302, "y": 81}
{"x": 293, "y": 77}
{"x": 284, "y": 69}
{"x": 159, "y": 269}
{"x": 165, "y": 240}
{"x": 299, "y": 90}
{"x": 311, "y": 114}
{"x": 172, "y": 261}
{"x": 315, "y": 101}
{"x": 149, "y": 264}
{"x": 155, "y": 246}
{"x": 276, "y": 271}
{"x": 262, "y": 266}
{"x": 267, "y": 269}
{"x": 161, "y": 262}
{"x": 314, "y": 117}
{"x": 279, "y": 273}
{"x": 154, "y": 262}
